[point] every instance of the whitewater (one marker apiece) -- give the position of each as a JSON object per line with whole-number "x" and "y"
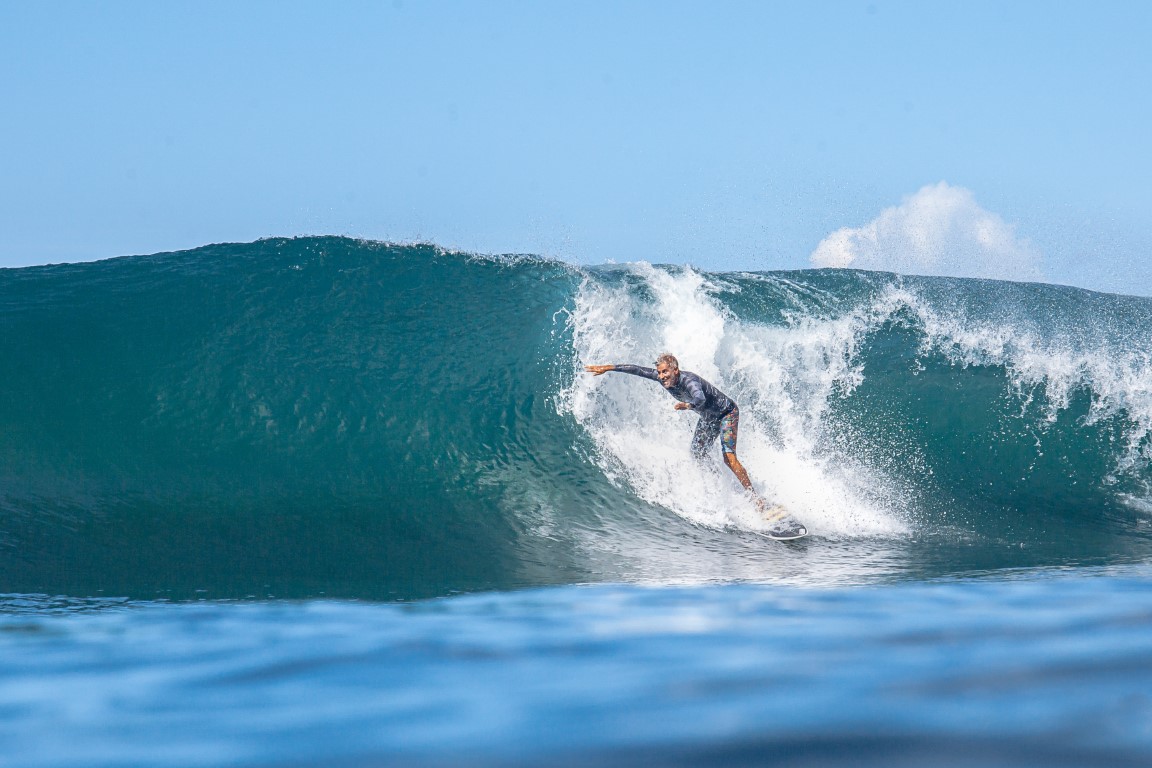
{"x": 322, "y": 500}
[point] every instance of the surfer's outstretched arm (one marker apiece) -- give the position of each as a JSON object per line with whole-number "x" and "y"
{"x": 635, "y": 370}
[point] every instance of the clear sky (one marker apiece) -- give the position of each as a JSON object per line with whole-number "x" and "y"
{"x": 727, "y": 135}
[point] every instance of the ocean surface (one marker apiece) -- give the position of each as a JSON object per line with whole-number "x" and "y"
{"x": 321, "y": 501}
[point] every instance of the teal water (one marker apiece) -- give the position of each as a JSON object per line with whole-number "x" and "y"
{"x": 329, "y": 417}
{"x": 221, "y": 470}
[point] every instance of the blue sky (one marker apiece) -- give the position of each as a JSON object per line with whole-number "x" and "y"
{"x": 726, "y": 135}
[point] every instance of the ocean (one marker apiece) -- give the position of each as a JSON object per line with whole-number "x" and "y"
{"x": 323, "y": 501}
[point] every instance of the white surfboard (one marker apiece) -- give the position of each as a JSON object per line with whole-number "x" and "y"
{"x": 782, "y": 526}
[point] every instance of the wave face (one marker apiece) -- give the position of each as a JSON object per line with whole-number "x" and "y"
{"x": 329, "y": 416}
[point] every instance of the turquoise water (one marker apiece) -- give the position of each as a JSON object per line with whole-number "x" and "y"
{"x": 324, "y": 501}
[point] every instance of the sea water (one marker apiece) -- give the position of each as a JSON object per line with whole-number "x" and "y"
{"x": 328, "y": 502}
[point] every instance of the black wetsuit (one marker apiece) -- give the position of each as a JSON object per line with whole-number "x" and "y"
{"x": 718, "y": 412}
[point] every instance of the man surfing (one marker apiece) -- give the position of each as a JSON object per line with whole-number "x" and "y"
{"x": 719, "y": 415}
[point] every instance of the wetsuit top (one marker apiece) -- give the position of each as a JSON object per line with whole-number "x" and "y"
{"x": 704, "y": 398}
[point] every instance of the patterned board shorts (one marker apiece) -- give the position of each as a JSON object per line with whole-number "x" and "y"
{"x": 707, "y": 430}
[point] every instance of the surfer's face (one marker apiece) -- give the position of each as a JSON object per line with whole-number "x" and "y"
{"x": 669, "y": 375}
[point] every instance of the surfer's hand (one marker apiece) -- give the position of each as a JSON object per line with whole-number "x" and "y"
{"x": 682, "y": 406}
{"x": 596, "y": 370}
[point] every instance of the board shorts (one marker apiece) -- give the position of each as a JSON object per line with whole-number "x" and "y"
{"x": 707, "y": 430}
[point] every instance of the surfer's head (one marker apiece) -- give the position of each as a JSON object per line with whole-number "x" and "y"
{"x": 668, "y": 370}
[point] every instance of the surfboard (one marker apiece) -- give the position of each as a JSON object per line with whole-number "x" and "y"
{"x": 783, "y": 527}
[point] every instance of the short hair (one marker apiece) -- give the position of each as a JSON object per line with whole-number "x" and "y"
{"x": 668, "y": 359}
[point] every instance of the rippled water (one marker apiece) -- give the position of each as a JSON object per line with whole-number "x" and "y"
{"x": 1037, "y": 668}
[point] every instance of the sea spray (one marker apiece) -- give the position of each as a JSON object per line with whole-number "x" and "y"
{"x": 781, "y": 376}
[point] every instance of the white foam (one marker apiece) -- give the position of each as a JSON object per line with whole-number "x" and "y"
{"x": 782, "y": 378}
{"x": 1047, "y": 361}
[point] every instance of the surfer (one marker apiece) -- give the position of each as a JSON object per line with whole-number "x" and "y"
{"x": 719, "y": 415}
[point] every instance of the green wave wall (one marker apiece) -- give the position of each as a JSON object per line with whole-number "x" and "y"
{"x": 330, "y": 416}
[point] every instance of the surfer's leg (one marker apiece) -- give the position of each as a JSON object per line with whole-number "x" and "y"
{"x": 738, "y": 470}
{"x": 729, "y": 428}
{"x": 707, "y": 430}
